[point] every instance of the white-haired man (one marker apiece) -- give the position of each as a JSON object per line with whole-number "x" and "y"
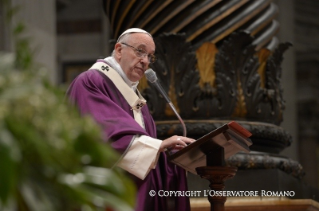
{"x": 108, "y": 91}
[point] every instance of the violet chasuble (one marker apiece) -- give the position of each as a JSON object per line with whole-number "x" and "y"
{"x": 94, "y": 93}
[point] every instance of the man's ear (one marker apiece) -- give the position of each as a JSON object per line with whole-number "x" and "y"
{"x": 118, "y": 50}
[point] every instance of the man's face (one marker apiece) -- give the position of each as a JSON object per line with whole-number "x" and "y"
{"x": 133, "y": 65}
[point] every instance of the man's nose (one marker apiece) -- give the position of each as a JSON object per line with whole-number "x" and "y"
{"x": 145, "y": 59}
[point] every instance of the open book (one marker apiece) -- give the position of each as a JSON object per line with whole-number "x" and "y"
{"x": 231, "y": 136}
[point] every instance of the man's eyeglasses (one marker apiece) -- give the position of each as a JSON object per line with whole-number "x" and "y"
{"x": 141, "y": 53}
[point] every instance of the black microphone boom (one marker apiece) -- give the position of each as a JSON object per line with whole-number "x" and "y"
{"x": 151, "y": 77}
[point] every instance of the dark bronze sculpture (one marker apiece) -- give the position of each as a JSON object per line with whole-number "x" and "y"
{"x": 218, "y": 61}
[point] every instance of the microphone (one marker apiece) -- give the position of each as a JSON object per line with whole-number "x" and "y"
{"x": 151, "y": 77}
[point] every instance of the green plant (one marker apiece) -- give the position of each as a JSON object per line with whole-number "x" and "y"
{"x": 23, "y": 52}
{"x": 50, "y": 157}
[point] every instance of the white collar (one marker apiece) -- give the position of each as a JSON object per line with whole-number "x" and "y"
{"x": 116, "y": 66}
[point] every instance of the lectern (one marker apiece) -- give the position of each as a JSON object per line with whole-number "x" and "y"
{"x": 206, "y": 157}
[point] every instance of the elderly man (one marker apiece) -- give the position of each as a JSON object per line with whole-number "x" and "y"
{"x": 108, "y": 91}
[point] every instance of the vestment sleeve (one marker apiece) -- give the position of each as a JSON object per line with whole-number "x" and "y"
{"x": 141, "y": 157}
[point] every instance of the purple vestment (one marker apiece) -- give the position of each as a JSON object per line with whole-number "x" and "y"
{"x": 96, "y": 94}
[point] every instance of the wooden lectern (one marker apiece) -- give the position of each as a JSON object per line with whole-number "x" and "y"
{"x": 206, "y": 157}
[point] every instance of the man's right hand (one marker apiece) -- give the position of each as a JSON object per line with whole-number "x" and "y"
{"x": 175, "y": 143}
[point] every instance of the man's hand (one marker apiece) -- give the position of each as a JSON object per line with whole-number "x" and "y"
{"x": 175, "y": 143}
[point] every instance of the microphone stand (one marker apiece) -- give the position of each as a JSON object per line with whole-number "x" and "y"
{"x": 179, "y": 118}
{"x": 151, "y": 77}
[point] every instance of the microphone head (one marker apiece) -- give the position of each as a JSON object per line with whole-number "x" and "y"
{"x": 150, "y": 75}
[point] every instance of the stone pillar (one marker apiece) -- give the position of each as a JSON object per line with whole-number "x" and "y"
{"x": 307, "y": 65}
{"x": 106, "y": 47}
{"x": 308, "y": 156}
{"x": 4, "y": 30}
{"x": 286, "y": 34}
{"x": 40, "y": 20}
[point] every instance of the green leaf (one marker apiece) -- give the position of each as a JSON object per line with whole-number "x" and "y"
{"x": 9, "y": 158}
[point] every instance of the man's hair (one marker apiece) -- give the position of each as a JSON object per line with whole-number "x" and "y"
{"x": 124, "y": 38}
